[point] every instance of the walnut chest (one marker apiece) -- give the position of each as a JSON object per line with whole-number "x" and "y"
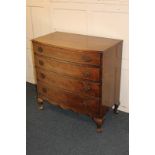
{"x": 78, "y": 72}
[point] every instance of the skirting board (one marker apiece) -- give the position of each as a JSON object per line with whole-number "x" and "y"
{"x": 124, "y": 109}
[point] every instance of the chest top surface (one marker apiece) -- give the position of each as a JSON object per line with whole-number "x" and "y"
{"x": 77, "y": 41}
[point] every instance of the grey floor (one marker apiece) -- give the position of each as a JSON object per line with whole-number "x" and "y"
{"x": 54, "y": 131}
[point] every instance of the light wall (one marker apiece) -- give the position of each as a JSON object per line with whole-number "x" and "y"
{"x": 107, "y": 18}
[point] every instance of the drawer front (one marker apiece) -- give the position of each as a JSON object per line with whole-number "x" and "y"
{"x": 76, "y": 86}
{"x": 76, "y": 71}
{"x": 92, "y": 58}
{"x": 67, "y": 100}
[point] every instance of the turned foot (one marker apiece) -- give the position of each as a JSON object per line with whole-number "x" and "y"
{"x": 116, "y": 108}
{"x": 99, "y": 123}
{"x": 40, "y": 104}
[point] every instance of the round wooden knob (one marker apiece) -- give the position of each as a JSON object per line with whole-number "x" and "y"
{"x": 87, "y": 88}
{"x": 86, "y": 58}
{"x": 41, "y": 62}
{"x": 40, "y": 49}
{"x": 86, "y": 74}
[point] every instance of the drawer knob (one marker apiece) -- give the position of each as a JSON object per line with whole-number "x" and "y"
{"x": 40, "y": 49}
{"x": 41, "y": 62}
{"x": 42, "y": 75}
{"x": 86, "y": 58}
{"x": 86, "y": 74}
{"x": 44, "y": 90}
{"x": 87, "y": 88}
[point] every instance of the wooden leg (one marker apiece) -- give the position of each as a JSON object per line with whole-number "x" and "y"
{"x": 116, "y": 108}
{"x": 99, "y": 123}
{"x": 40, "y": 103}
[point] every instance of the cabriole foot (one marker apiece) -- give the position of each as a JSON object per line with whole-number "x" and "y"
{"x": 40, "y": 104}
{"x": 99, "y": 123}
{"x": 116, "y": 108}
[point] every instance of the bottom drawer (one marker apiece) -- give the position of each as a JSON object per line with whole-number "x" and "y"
{"x": 68, "y": 100}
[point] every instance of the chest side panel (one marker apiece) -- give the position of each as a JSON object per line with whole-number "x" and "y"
{"x": 111, "y": 75}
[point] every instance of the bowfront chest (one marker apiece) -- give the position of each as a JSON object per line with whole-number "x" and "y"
{"x": 78, "y": 72}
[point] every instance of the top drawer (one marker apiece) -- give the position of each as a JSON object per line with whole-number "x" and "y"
{"x": 91, "y": 58}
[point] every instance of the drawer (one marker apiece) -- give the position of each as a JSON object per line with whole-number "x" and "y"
{"x": 85, "y": 57}
{"x": 67, "y": 100}
{"x": 69, "y": 69}
{"x": 85, "y": 88}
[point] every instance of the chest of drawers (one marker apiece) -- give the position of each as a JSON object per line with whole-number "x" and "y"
{"x": 78, "y": 72}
